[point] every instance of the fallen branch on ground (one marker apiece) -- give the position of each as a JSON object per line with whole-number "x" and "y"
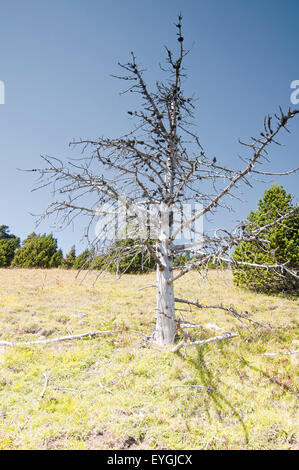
{"x": 281, "y": 353}
{"x": 191, "y": 326}
{"x": 104, "y": 388}
{"x": 68, "y": 390}
{"x": 45, "y": 385}
{"x": 91, "y": 334}
{"x": 205, "y": 341}
{"x": 197, "y": 386}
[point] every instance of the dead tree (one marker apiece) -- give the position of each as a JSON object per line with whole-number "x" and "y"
{"x": 137, "y": 184}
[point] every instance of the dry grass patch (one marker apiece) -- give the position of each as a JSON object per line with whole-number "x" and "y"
{"x": 119, "y": 392}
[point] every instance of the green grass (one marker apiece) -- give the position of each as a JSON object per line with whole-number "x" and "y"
{"x": 246, "y": 400}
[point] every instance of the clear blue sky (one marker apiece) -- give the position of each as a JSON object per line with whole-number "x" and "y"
{"x": 56, "y": 57}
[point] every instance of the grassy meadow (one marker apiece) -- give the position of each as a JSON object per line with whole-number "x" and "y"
{"x": 118, "y": 391}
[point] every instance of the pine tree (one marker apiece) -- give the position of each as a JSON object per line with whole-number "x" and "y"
{"x": 8, "y": 244}
{"x": 38, "y": 251}
{"x": 280, "y": 245}
{"x": 127, "y": 259}
{"x": 83, "y": 260}
{"x": 68, "y": 261}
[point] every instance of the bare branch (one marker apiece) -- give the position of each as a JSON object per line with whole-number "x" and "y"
{"x": 204, "y": 341}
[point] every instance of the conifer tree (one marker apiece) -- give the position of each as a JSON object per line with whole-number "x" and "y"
{"x": 68, "y": 261}
{"x": 83, "y": 260}
{"x": 279, "y": 245}
{"x": 8, "y": 244}
{"x": 38, "y": 251}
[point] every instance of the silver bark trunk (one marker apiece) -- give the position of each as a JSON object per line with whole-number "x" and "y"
{"x": 165, "y": 323}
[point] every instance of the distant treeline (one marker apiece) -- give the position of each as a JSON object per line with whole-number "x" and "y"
{"x": 41, "y": 251}
{"x": 278, "y": 246}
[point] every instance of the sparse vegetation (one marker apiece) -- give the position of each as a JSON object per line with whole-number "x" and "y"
{"x": 223, "y": 396}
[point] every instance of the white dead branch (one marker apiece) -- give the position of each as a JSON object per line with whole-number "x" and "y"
{"x": 45, "y": 385}
{"x": 281, "y": 353}
{"x": 90, "y": 334}
{"x": 204, "y": 341}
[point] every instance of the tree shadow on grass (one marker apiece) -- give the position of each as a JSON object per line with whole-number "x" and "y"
{"x": 212, "y": 383}
{"x": 286, "y": 387}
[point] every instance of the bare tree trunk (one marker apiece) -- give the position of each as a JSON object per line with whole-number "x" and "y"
{"x": 165, "y": 323}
